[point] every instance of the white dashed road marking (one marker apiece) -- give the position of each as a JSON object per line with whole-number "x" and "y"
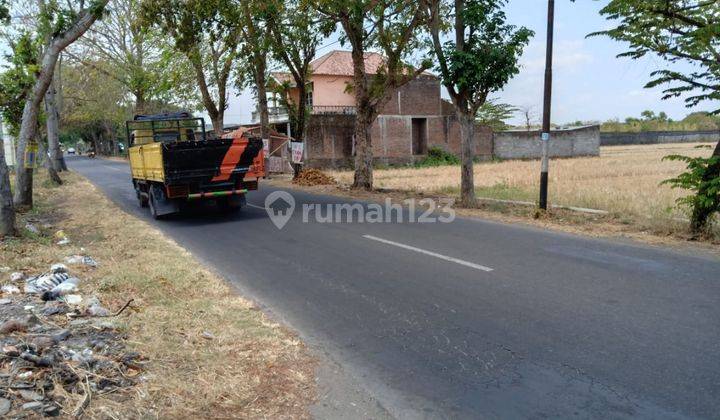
{"x": 430, "y": 253}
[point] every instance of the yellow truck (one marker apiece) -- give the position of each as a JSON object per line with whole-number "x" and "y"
{"x": 174, "y": 161}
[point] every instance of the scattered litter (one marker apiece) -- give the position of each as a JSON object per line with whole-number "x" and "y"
{"x": 96, "y": 309}
{"x": 60, "y": 234}
{"x": 5, "y": 405}
{"x": 81, "y": 260}
{"x": 73, "y": 299}
{"x": 207, "y": 335}
{"x": 45, "y": 358}
{"x": 29, "y": 307}
{"x": 45, "y": 282}
{"x": 58, "y": 268}
{"x": 5, "y": 301}
{"x": 17, "y": 276}
{"x": 35, "y": 405}
{"x": 68, "y": 286}
{"x": 310, "y": 177}
{"x": 30, "y": 395}
{"x": 32, "y": 228}
{"x": 65, "y": 241}
{"x": 10, "y": 289}
{"x": 25, "y": 375}
{"x": 4, "y": 269}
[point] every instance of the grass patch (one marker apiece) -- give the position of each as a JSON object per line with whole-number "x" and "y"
{"x": 437, "y": 157}
{"x": 250, "y": 368}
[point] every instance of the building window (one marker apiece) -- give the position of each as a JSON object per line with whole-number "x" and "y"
{"x": 419, "y": 136}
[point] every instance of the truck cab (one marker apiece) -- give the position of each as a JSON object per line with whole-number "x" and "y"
{"x": 174, "y": 161}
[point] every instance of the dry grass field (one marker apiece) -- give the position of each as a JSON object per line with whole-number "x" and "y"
{"x": 625, "y": 180}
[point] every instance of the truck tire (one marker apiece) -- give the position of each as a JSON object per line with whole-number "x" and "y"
{"x": 231, "y": 203}
{"x": 142, "y": 198}
{"x": 153, "y": 205}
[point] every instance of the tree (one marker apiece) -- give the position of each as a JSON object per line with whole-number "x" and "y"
{"x": 131, "y": 53}
{"x": 58, "y": 27}
{"x": 480, "y": 58}
{"x": 52, "y": 115}
{"x": 678, "y": 31}
{"x": 529, "y": 115}
{"x": 391, "y": 26}
{"x": 95, "y": 119}
{"x": 207, "y": 33}
{"x": 7, "y": 209}
{"x": 297, "y": 31}
{"x": 493, "y": 114}
{"x": 256, "y": 35}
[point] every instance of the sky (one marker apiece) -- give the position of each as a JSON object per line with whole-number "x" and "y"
{"x": 590, "y": 83}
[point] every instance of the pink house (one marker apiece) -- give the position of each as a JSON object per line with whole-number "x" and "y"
{"x": 414, "y": 119}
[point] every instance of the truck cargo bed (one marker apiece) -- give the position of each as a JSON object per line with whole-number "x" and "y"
{"x": 224, "y": 161}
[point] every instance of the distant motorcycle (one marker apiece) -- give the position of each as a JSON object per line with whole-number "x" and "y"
{"x": 91, "y": 155}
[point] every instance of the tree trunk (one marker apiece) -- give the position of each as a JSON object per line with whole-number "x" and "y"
{"x": 28, "y": 127}
{"x": 363, "y": 152}
{"x": 140, "y": 102}
{"x": 111, "y": 144}
{"x": 215, "y": 112}
{"x": 701, "y": 214}
{"x": 363, "y": 142}
{"x": 47, "y": 163}
{"x": 467, "y": 147}
{"x": 53, "y": 130}
{"x": 300, "y": 123}
{"x": 7, "y": 210}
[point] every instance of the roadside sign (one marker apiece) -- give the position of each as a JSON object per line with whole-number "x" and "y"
{"x": 31, "y": 152}
{"x": 266, "y": 146}
{"x": 297, "y": 151}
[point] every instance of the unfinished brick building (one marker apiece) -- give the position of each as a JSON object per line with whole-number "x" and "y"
{"x": 415, "y": 118}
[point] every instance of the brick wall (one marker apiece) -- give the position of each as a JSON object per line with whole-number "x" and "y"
{"x": 330, "y": 139}
{"x": 521, "y": 144}
{"x": 420, "y": 96}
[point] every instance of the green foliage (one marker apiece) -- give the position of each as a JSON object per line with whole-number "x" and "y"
{"x": 437, "y": 156}
{"x": 18, "y": 79}
{"x": 674, "y": 30}
{"x": 494, "y": 115}
{"x": 696, "y": 121}
{"x": 486, "y": 59}
{"x": 702, "y": 177}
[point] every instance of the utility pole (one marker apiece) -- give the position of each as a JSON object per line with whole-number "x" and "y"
{"x": 547, "y": 101}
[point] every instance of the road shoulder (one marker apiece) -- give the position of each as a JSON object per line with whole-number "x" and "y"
{"x": 208, "y": 351}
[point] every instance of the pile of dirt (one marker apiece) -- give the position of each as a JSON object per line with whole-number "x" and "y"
{"x": 312, "y": 177}
{"x": 59, "y": 351}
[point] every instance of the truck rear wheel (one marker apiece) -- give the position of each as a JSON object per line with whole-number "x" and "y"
{"x": 153, "y": 205}
{"x": 142, "y": 199}
{"x": 231, "y": 203}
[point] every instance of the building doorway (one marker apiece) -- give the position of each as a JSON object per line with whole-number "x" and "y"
{"x": 419, "y": 136}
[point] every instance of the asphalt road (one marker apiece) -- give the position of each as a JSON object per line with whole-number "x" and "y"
{"x": 562, "y": 325}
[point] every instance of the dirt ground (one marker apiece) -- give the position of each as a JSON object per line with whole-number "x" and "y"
{"x": 209, "y": 353}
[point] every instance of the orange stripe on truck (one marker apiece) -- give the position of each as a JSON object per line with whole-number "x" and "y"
{"x": 231, "y": 159}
